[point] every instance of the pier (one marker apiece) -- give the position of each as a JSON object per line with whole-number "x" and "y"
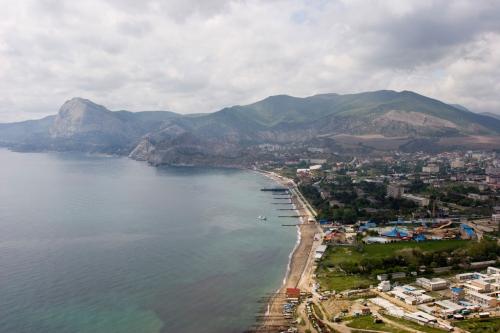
{"x": 274, "y": 189}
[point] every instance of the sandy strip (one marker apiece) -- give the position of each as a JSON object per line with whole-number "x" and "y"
{"x": 300, "y": 265}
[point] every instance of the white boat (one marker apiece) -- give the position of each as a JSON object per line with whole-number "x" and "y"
{"x": 261, "y": 217}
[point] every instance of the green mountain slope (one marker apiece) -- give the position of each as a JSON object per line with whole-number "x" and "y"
{"x": 164, "y": 137}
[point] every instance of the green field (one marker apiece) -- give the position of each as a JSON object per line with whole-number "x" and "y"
{"x": 338, "y": 255}
{"x": 366, "y": 323}
{"x": 416, "y": 326}
{"x": 340, "y": 282}
{"x": 487, "y": 325}
{"x": 340, "y": 268}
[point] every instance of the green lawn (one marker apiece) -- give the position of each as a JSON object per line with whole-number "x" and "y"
{"x": 487, "y": 325}
{"x": 331, "y": 277}
{"x": 414, "y": 325}
{"x": 337, "y": 255}
{"x": 366, "y": 322}
{"x": 340, "y": 282}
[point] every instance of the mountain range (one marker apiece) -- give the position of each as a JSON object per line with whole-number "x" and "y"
{"x": 370, "y": 121}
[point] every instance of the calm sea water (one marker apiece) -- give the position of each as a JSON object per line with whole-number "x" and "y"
{"x": 103, "y": 244}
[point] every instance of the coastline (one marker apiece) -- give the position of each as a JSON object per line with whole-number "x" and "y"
{"x": 300, "y": 263}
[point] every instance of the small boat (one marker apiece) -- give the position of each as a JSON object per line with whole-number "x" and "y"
{"x": 261, "y": 217}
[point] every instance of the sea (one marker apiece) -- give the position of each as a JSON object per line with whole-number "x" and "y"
{"x": 100, "y": 244}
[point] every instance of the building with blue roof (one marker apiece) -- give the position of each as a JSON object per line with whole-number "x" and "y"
{"x": 420, "y": 238}
{"x": 396, "y": 232}
{"x": 466, "y": 232}
{"x": 367, "y": 225}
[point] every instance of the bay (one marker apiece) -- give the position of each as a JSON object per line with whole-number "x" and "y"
{"x": 107, "y": 244}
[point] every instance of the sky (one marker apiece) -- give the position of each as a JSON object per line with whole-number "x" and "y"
{"x": 193, "y": 56}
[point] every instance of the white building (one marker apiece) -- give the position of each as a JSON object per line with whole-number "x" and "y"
{"x": 492, "y": 270}
{"x": 421, "y": 201}
{"x": 430, "y": 168}
{"x": 432, "y": 284}
{"x": 481, "y": 299}
{"x": 457, "y": 164}
{"x": 384, "y": 286}
{"x": 449, "y": 307}
{"x": 320, "y": 251}
{"x": 395, "y": 191}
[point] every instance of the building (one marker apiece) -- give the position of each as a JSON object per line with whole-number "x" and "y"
{"x": 448, "y": 307}
{"x": 421, "y": 201}
{"x": 481, "y": 264}
{"x": 317, "y": 161}
{"x": 477, "y": 197}
{"x": 457, "y": 164}
{"x": 398, "y": 275}
{"x": 478, "y": 285}
{"x": 303, "y": 172}
{"x": 432, "y": 284}
{"x": 320, "y": 251}
{"x": 492, "y": 270}
{"x": 457, "y": 294}
{"x": 430, "y": 168}
{"x": 376, "y": 240}
{"x": 483, "y": 300}
{"x": 383, "y": 277}
{"x": 395, "y": 191}
{"x": 396, "y": 233}
{"x": 293, "y": 293}
{"x": 384, "y": 286}
{"x": 467, "y": 232}
{"x": 410, "y": 295}
{"x": 469, "y": 276}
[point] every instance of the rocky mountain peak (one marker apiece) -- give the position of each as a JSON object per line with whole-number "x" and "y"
{"x": 82, "y": 115}
{"x": 78, "y": 106}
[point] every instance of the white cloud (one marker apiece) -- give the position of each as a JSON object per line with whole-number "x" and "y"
{"x": 199, "y": 56}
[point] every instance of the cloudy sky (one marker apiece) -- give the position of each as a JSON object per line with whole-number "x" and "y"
{"x": 199, "y": 56}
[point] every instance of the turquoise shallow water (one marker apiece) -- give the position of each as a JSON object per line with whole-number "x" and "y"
{"x": 107, "y": 244}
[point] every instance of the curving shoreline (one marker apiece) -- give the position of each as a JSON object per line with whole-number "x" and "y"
{"x": 300, "y": 264}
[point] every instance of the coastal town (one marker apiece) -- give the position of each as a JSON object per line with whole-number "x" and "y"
{"x": 394, "y": 243}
